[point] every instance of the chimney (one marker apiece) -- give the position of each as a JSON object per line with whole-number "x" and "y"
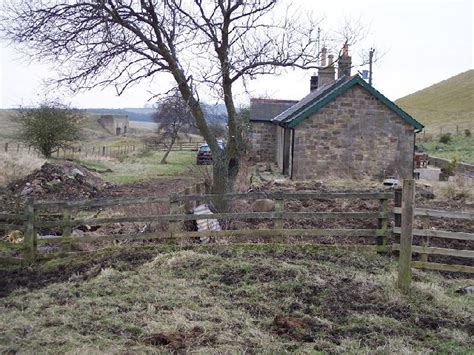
{"x": 323, "y": 56}
{"x": 345, "y": 63}
{"x": 313, "y": 84}
{"x": 326, "y": 74}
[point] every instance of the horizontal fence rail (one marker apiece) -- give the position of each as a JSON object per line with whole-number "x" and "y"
{"x": 438, "y": 234}
{"x": 236, "y": 216}
{"x": 439, "y": 214}
{"x": 287, "y": 196}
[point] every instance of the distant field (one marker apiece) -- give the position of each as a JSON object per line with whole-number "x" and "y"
{"x": 461, "y": 148}
{"x": 143, "y": 167}
{"x": 447, "y": 106}
{"x": 9, "y": 127}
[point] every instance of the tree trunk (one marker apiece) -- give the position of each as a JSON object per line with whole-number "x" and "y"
{"x": 173, "y": 139}
{"x": 221, "y": 184}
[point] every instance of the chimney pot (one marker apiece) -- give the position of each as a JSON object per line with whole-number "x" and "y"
{"x": 323, "y": 56}
{"x": 330, "y": 59}
{"x": 344, "y": 63}
{"x": 345, "y": 50}
{"x": 313, "y": 83}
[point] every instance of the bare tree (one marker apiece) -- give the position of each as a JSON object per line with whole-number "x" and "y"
{"x": 200, "y": 43}
{"x": 173, "y": 117}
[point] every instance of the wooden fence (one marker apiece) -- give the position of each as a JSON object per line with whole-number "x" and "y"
{"x": 72, "y": 152}
{"x": 405, "y": 212}
{"x": 99, "y": 151}
{"x": 34, "y": 219}
{"x": 182, "y": 146}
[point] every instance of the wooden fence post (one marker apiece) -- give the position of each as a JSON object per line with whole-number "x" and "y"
{"x": 382, "y": 226}
{"x": 67, "y": 229}
{"x": 397, "y": 200}
{"x": 30, "y": 240}
{"x": 187, "y": 205}
{"x": 174, "y": 208}
{"x": 406, "y": 235}
{"x": 198, "y": 192}
{"x": 6, "y": 147}
{"x": 425, "y": 240}
{"x": 279, "y": 207}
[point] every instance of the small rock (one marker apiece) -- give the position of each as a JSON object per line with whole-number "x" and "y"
{"x": 427, "y": 194}
{"x": 77, "y": 232}
{"x": 465, "y": 290}
{"x": 36, "y": 182}
{"x": 263, "y": 205}
{"x": 75, "y": 172}
{"x": 26, "y": 191}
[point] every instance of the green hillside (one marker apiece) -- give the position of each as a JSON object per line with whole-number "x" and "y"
{"x": 444, "y": 105}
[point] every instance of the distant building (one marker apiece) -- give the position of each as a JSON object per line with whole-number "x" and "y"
{"x": 115, "y": 124}
{"x": 342, "y": 128}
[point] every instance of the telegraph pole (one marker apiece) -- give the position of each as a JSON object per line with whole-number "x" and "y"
{"x": 319, "y": 46}
{"x": 371, "y": 57}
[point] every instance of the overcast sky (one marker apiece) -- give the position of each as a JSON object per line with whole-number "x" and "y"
{"x": 423, "y": 42}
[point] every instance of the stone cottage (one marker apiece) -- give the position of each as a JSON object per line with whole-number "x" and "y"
{"x": 343, "y": 128}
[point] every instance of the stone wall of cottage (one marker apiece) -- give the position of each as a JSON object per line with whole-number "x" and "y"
{"x": 353, "y": 136}
{"x": 263, "y": 141}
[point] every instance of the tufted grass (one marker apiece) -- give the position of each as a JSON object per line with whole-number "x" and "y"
{"x": 233, "y": 299}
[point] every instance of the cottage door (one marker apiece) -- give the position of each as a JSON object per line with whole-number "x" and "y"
{"x": 286, "y": 151}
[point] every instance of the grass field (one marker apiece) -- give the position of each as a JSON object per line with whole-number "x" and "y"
{"x": 142, "y": 167}
{"x": 461, "y": 148}
{"x": 9, "y": 128}
{"x": 445, "y": 106}
{"x": 223, "y": 299}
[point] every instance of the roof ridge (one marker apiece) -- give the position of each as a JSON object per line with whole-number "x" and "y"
{"x": 320, "y": 101}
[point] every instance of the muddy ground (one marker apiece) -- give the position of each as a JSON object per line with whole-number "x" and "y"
{"x": 231, "y": 299}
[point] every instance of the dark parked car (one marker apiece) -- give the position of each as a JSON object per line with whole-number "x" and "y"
{"x": 204, "y": 155}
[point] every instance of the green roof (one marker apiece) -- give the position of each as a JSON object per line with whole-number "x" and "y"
{"x": 306, "y": 108}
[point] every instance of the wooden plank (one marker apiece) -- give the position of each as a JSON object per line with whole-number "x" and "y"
{"x": 406, "y": 235}
{"x": 438, "y": 251}
{"x": 440, "y": 213}
{"x": 67, "y": 229}
{"x": 209, "y": 197}
{"x": 290, "y": 195}
{"x": 442, "y": 267}
{"x": 12, "y": 217}
{"x": 383, "y": 223}
{"x": 225, "y": 233}
{"x": 174, "y": 210}
{"x": 11, "y": 260}
{"x": 29, "y": 241}
{"x": 10, "y": 226}
{"x": 6, "y": 245}
{"x": 279, "y": 208}
{"x": 191, "y": 217}
{"x": 439, "y": 234}
{"x": 100, "y": 202}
